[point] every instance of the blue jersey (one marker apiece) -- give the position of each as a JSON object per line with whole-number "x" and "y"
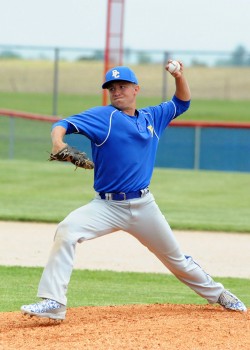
{"x": 123, "y": 147}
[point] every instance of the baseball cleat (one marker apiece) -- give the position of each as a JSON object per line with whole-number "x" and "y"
{"x": 231, "y": 302}
{"x": 45, "y": 308}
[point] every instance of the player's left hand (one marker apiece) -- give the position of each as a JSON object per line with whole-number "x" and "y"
{"x": 73, "y": 155}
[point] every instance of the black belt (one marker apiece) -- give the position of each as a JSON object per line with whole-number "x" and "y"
{"x": 122, "y": 196}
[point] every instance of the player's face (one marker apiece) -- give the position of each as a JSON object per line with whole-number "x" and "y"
{"x": 123, "y": 95}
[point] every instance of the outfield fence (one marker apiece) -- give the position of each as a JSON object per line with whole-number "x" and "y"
{"x": 185, "y": 144}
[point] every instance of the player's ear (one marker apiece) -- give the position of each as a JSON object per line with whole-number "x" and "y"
{"x": 137, "y": 89}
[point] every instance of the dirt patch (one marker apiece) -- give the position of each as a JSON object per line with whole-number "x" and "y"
{"x": 220, "y": 254}
{"x": 171, "y": 327}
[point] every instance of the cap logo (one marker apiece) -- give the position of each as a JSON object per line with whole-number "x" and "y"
{"x": 115, "y": 73}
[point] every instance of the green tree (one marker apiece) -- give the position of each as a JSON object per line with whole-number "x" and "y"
{"x": 239, "y": 56}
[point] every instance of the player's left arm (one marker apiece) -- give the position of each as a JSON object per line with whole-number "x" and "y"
{"x": 57, "y": 135}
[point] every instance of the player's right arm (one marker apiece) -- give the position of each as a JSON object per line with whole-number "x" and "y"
{"x": 182, "y": 91}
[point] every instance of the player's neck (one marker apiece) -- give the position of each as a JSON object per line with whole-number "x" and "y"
{"x": 130, "y": 111}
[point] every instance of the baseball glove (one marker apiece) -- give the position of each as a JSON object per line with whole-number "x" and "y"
{"x": 73, "y": 155}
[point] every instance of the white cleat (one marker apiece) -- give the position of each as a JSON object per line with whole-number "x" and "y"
{"x": 45, "y": 308}
{"x": 230, "y": 302}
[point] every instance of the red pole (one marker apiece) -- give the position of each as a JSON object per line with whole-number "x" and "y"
{"x": 113, "y": 54}
{"x": 106, "y": 54}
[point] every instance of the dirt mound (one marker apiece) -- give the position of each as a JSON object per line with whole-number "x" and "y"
{"x": 130, "y": 327}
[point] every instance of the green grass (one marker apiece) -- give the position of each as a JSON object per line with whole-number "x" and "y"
{"x": 219, "y": 110}
{"x": 212, "y": 110}
{"x": 43, "y": 103}
{"x": 94, "y": 288}
{"x": 197, "y": 200}
{"x": 203, "y": 200}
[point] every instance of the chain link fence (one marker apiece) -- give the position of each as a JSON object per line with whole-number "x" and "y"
{"x": 76, "y": 71}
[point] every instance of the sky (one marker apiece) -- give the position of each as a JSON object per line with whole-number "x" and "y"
{"x": 216, "y": 25}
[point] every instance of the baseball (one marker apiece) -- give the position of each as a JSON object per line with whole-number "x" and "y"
{"x": 174, "y": 67}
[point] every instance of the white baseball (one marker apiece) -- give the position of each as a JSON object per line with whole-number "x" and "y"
{"x": 174, "y": 67}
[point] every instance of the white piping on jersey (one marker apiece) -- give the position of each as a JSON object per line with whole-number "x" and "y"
{"x": 174, "y": 107}
{"x": 110, "y": 122}
{"x": 73, "y": 125}
{"x": 153, "y": 120}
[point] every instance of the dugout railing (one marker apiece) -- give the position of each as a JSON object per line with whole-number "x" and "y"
{"x": 200, "y": 145}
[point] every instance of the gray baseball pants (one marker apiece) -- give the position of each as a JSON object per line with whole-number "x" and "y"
{"x": 141, "y": 218}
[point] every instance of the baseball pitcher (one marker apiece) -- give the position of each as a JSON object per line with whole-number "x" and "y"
{"x": 123, "y": 201}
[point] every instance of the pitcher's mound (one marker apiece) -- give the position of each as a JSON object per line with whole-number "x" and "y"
{"x": 130, "y": 327}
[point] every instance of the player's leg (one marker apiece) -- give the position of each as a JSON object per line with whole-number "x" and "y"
{"x": 150, "y": 227}
{"x": 88, "y": 222}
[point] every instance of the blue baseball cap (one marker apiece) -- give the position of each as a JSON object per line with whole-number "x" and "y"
{"x": 119, "y": 73}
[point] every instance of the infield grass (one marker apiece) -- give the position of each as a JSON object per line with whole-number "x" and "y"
{"x": 99, "y": 288}
{"x": 195, "y": 200}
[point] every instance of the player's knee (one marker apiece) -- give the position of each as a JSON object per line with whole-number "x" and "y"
{"x": 63, "y": 232}
{"x": 69, "y": 231}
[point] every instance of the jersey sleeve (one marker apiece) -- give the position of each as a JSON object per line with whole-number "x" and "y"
{"x": 181, "y": 106}
{"x": 70, "y": 128}
{"x": 162, "y": 114}
{"x": 92, "y": 123}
